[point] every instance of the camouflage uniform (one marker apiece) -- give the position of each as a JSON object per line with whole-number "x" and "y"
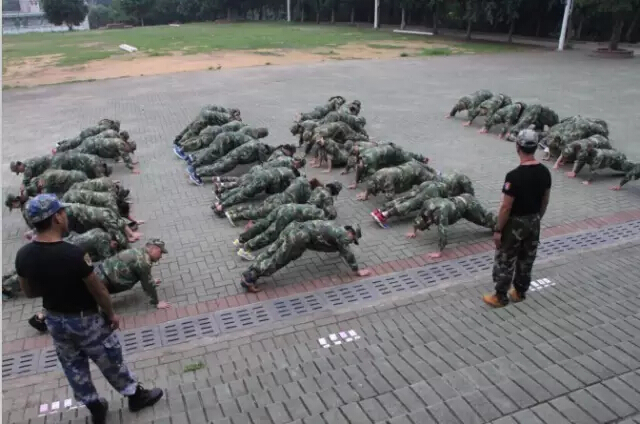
{"x": 122, "y": 271}
{"x": 507, "y": 115}
{"x": 380, "y": 157}
{"x": 398, "y": 178}
{"x": 356, "y": 123}
{"x": 632, "y": 173}
{"x": 270, "y": 180}
{"x": 103, "y": 126}
{"x": 101, "y": 184}
{"x": 320, "y": 112}
{"x": 101, "y": 199}
{"x": 34, "y": 167}
{"x": 109, "y": 148}
{"x": 445, "y": 212}
{"x": 600, "y": 159}
{"x": 91, "y": 165}
{"x": 250, "y": 152}
{"x": 207, "y": 108}
{"x": 265, "y": 231}
{"x": 323, "y": 198}
{"x": 536, "y": 115}
{"x": 570, "y": 152}
{"x": 209, "y": 134}
{"x": 298, "y": 191}
{"x": 489, "y": 106}
{"x": 352, "y": 107}
{"x": 334, "y": 152}
{"x": 222, "y": 145}
{"x": 449, "y": 186}
{"x": 338, "y": 131}
{"x": 294, "y": 240}
{"x": 303, "y": 130}
{"x": 572, "y": 129}
{"x": 55, "y": 181}
{"x": 206, "y": 118}
{"x": 83, "y": 218}
{"x": 470, "y": 102}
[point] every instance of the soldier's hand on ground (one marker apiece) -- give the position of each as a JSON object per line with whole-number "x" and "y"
{"x": 326, "y": 171}
{"x": 352, "y": 186}
{"x": 448, "y": 116}
{"x": 163, "y": 305}
{"x": 157, "y": 281}
{"x": 411, "y": 235}
{"x": 363, "y": 272}
{"x": 135, "y": 171}
{"x": 616, "y": 188}
{"x": 586, "y": 182}
{"x": 570, "y": 174}
{"x": 497, "y": 239}
{"x": 139, "y": 222}
{"x": 435, "y": 255}
{"x": 483, "y": 131}
{"x": 466, "y": 124}
{"x": 114, "y": 322}
{"x": 135, "y": 162}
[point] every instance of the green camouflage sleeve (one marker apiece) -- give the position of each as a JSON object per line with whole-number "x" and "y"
{"x": 419, "y": 223}
{"x": 148, "y": 285}
{"x": 26, "y": 177}
{"x": 579, "y": 164}
{"x": 126, "y": 158}
{"x": 348, "y": 256}
{"x": 103, "y": 248}
{"x": 443, "y": 223}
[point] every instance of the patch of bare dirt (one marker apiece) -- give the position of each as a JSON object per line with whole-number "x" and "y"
{"x": 42, "y": 70}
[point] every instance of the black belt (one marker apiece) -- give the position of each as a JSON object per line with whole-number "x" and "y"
{"x": 104, "y": 274}
{"x": 83, "y": 313}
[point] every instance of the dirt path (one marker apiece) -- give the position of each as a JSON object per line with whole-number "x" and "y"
{"x": 42, "y": 70}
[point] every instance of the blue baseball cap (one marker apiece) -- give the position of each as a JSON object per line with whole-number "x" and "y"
{"x": 43, "y": 206}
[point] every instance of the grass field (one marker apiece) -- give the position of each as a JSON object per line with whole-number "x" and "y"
{"x": 26, "y": 55}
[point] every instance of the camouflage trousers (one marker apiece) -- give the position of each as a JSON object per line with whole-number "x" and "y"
{"x": 403, "y": 206}
{"x": 206, "y": 157}
{"x": 221, "y": 166}
{"x": 80, "y": 338}
{"x": 516, "y": 255}
{"x": 287, "y": 248}
{"x": 631, "y": 175}
{"x": 264, "y": 232}
{"x": 245, "y": 192}
{"x": 69, "y": 144}
{"x": 251, "y": 212}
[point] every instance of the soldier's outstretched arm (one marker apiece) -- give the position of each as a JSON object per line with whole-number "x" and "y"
{"x": 348, "y": 256}
{"x": 632, "y": 175}
{"x": 149, "y": 286}
{"x": 577, "y": 166}
{"x": 443, "y": 223}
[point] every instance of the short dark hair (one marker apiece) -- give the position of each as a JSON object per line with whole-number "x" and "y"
{"x": 528, "y": 150}
{"x": 44, "y": 225}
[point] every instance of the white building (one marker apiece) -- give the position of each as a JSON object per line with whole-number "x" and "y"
{"x": 31, "y": 19}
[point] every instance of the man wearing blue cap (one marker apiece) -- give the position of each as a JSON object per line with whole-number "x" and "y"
{"x": 62, "y": 274}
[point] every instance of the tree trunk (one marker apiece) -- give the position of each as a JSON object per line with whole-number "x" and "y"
{"x": 301, "y": 11}
{"x": 538, "y": 25}
{"x": 579, "y": 29}
{"x": 403, "y": 23}
{"x": 260, "y": 13}
{"x": 632, "y": 27}
{"x": 317, "y": 16}
{"x": 512, "y": 27}
{"x": 228, "y": 14}
{"x": 468, "y": 36}
{"x": 409, "y": 18}
{"x": 616, "y": 33}
{"x": 353, "y": 14}
{"x": 141, "y": 21}
{"x": 435, "y": 18}
{"x": 333, "y": 15}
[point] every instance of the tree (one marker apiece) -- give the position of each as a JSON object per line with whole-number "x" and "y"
{"x": 137, "y": 8}
{"x": 435, "y": 7}
{"x": 101, "y": 15}
{"x": 65, "y": 12}
{"x": 404, "y": 6}
{"x": 618, "y": 9}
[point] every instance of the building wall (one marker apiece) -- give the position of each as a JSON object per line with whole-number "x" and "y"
{"x": 23, "y": 22}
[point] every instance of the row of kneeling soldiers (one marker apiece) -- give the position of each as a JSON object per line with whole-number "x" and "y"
{"x": 98, "y": 209}
{"x": 576, "y": 139}
{"x": 297, "y": 212}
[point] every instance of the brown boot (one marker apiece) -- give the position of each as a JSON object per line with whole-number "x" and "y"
{"x": 515, "y": 296}
{"x": 494, "y": 301}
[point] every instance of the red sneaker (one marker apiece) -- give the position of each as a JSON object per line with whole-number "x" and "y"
{"x": 379, "y": 218}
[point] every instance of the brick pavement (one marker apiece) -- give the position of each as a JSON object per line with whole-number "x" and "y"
{"x": 568, "y": 354}
{"x": 408, "y": 108}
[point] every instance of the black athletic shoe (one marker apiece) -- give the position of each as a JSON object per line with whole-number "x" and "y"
{"x": 38, "y": 324}
{"x": 143, "y": 398}
{"x": 98, "y": 411}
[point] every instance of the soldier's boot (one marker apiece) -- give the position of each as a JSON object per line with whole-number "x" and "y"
{"x": 179, "y": 152}
{"x": 245, "y": 254}
{"x": 515, "y": 296}
{"x": 143, "y": 398}
{"x": 494, "y": 301}
{"x": 98, "y": 410}
{"x": 237, "y": 243}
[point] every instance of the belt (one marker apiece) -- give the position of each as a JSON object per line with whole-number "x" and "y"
{"x": 81, "y": 314}
{"x": 105, "y": 277}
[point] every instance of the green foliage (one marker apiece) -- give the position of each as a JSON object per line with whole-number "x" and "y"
{"x": 100, "y": 16}
{"x": 137, "y": 8}
{"x": 65, "y": 12}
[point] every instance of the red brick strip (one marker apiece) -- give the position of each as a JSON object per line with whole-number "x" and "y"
{"x": 161, "y": 316}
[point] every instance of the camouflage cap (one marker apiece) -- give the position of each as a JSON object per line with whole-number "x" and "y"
{"x": 356, "y": 230}
{"x": 301, "y": 159}
{"x": 133, "y": 145}
{"x": 159, "y": 243}
{"x": 335, "y": 187}
{"x": 527, "y": 138}
{"x": 14, "y": 166}
{"x": 11, "y": 199}
{"x": 43, "y": 206}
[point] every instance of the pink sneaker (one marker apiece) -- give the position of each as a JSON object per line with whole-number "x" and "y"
{"x": 379, "y": 218}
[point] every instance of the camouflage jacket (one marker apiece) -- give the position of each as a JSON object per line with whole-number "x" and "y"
{"x": 508, "y": 115}
{"x": 492, "y": 104}
{"x": 571, "y": 129}
{"x": 252, "y": 151}
{"x": 112, "y": 148}
{"x": 293, "y": 212}
{"x": 425, "y": 190}
{"x": 334, "y": 151}
{"x": 34, "y": 167}
{"x": 320, "y": 112}
{"x": 443, "y": 212}
{"x": 325, "y": 236}
{"x": 401, "y": 178}
{"x": 96, "y": 242}
{"x": 536, "y": 115}
{"x": 472, "y": 101}
{"x": 352, "y": 108}
{"x": 457, "y": 184}
{"x": 356, "y": 123}
{"x": 56, "y": 181}
{"x": 207, "y": 118}
{"x": 322, "y": 198}
{"x": 299, "y": 128}
{"x": 224, "y": 143}
{"x": 299, "y": 191}
{"x": 125, "y": 269}
{"x": 88, "y": 217}
{"x": 76, "y": 161}
{"x": 338, "y": 131}
{"x": 103, "y": 199}
{"x": 96, "y": 184}
{"x": 381, "y": 156}
{"x": 599, "y": 159}
{"x": 104, "y": 126}
{"x": 569, "y": 153}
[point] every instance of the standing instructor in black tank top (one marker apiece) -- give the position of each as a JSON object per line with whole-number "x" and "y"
{"x": 525, "y": 196}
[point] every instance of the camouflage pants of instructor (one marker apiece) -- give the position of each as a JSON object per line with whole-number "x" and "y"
{"x": 516, "y": 255}
{"x": 80, "y": 338}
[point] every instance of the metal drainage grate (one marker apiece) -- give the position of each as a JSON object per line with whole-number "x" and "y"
{"x": 140, "y": 339}
{"x": 477, "y": 263}
{"x": 395, "y": 284}
{"x": 344, "y": 295}
{"x": 187, "y": 329}
{"x": 48, "y": 360}
{"x": 21, "y": 364}
{"x": 440, "y": 272}
{"x": 238, "y": 319}
{"x": 294, "y": 306}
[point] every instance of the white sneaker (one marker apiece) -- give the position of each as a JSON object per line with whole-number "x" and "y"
{"x": 237, "y": 243}
{"x": 228, "y": 215}
{"x": 244, "y": 254}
